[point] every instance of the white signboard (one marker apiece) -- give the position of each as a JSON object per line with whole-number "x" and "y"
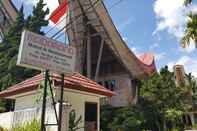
{"x": 41, "y": 53}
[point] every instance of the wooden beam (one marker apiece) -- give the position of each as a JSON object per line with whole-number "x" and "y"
{"x": 99, "y": 59}
{"x": 89, "y": 65}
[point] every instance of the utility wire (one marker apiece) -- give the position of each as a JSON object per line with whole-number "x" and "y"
{"x": 116, "y": 3}
{"x": 77, "y": 17}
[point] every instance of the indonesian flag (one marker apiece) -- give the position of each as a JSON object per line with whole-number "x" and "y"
{"x": 59, "y": 12}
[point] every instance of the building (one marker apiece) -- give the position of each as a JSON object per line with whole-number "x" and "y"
{"x": 80, "y": 93}
{"x": 102, "y": 54}
{"x": 8, "y": 14}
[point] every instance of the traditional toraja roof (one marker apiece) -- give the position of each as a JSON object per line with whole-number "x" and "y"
{"x": 113, "y": 38}
{"x": 74, "y": 82}
{"x": 9, "y": 8}
{"x": 147, "y": 62}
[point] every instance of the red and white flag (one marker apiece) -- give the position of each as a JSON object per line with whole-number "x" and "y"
{"x": 59, "y": 12}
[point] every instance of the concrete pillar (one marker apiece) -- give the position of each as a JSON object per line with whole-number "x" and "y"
{"x": 65, "y": 117}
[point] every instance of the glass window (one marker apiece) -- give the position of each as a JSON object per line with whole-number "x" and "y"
{"x": 112, "y": 85}
{"x": 106, "y": 84}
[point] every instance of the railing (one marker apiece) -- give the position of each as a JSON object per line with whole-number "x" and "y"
{"x": 23, "y": 116}
{"x": 16, "y": 118}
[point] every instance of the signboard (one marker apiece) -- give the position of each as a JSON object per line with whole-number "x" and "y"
{"x": 41, "y": 53}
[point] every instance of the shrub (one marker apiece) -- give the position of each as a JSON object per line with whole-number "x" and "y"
{"x": 29, "y": 126}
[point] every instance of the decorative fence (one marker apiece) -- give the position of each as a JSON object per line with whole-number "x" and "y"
{"x": 13, "y": 119}
{"x": 23, "y": 116}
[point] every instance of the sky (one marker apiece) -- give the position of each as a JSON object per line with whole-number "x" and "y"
{"x": 147, "y": 26}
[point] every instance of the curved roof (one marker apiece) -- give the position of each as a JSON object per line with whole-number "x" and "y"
{"x": 74, "y": 82}
{"x": 9, "y": 9}
{"x": 147, "y": 62}
{"x": 127, "y": 57}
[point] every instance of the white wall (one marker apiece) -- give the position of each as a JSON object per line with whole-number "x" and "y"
{"x": 26, "y": 101}
{"x": 6, "y": 120}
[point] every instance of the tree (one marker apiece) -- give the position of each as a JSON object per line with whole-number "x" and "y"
{"x": 9, "y": 50}
{"x": 74, "y": 122}
{"x": 121, "y": 119}
{"x": 187, "y": 2}
{"x": 191, "y": 30}
{"x": 37, "y": 20}
{"x": 167, "y": 99}
{"x": 10, "y": 73}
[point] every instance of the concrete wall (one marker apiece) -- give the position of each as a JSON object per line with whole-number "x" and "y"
{"x": 124, "y": 92}
{"x": 26, "y": 101}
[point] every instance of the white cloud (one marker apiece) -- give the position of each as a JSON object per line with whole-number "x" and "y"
{"x": 189, "y": 64}
{"x": 171, "y": 16}
{"x": 155, "y": 45}
{"x": 160, "y": 56}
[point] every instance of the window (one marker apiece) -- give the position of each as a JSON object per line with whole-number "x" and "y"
{"x": 110, "y": 84}
{"x": 100, "y": 83}
{"x": 106, "y": 84}
{"x": 135, "y": 84}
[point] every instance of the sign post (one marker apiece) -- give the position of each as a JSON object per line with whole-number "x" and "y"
{"x": 44, "y": 101}
{"x": 45, "y": 54}
{"x": 61, "y": 102}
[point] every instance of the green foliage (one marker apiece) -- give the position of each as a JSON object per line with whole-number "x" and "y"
{"x": 2, "y": 106}
{"x": 191, "y": 27}
{"x": 39, "y": 96}
{"x": 191, "y": 30}
{"x": 194, "y": 126}
{"x": 127, "y": 119}
{"x": 3, "y": 129}
{"x": 11, "y": 74}
{"x": 74, "y": 122}
{"x": 121, "y": 119}
{"x": 161, "y": 106}
{"x": 29, "y": 126}
{"x": 167, "y": 99}
{"x": 187, "y": 2}
{"x": 106, "y": 117}
{"x": 37, "y": 20}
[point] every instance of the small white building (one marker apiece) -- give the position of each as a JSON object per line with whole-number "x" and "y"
{"x": 80, "y": 93}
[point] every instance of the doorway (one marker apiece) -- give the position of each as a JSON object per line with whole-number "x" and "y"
{"x": 91, "y": 116}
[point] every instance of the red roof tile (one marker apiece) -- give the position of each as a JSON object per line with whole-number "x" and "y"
{"x": 75, "y": 82}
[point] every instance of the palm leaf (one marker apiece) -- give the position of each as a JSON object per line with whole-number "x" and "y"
{"x": 190, "y": 31}
{"x": 187, "y": 2}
